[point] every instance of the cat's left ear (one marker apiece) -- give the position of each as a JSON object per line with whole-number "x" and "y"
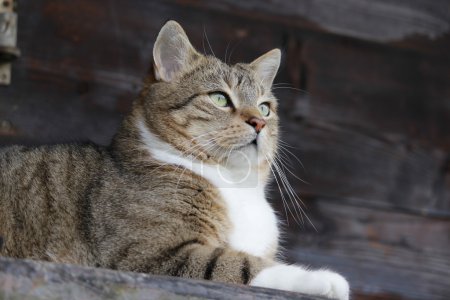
{"x": 266, "y": 66}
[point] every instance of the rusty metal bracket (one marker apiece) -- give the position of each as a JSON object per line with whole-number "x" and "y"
{"x": 8, "y": 39}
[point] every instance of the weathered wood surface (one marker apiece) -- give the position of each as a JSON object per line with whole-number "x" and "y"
{"x": 32, "y": 280}
{"x": 372, "y": 128}
{"x": 414, "y": 24}
{"x": 400, "y": 96}
{"x": 368, "y": 170}
{"x": 389, "y": 255}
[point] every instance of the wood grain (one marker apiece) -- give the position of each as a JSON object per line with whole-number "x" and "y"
{"x": 340, "y": 162}
{"x": 32, "y": 280}
{"x": 384, "y": 92}
{"x": 411, "y": 24}
{"x": 382, "y": 253}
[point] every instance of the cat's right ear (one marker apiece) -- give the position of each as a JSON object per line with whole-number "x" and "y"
{"x": 172, "y": 52}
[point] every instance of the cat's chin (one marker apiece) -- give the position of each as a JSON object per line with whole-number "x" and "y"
{"x": 247, "y": 154}
{"x": 251, "y": 144}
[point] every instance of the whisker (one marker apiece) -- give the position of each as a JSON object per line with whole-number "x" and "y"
{"x": 190, "y": 151}
{"x": 284, "y": 143}
{"x": 285, "y": 205}
{"x": 207, "y": 40}
{"x": 282, "y": 148}
{"x": 232, "y": 50}
{"x": 276, "y": 163}
{"x": 290, "y": 88}
{"x": 179, "y": 178}
{"x": 285, "y": 167}
{"x": 291, "y": 195}
{"x": 226, "y": 51}
{"x": 294, "y": 197}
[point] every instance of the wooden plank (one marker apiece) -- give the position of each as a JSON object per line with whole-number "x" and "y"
{"x": 414, "y": 24}
{"x": 392, "y": 94}
{"x": 366, "y": 170}
{"x": 109, "y": 36}
{"x": 384, "y": 255}
{"x": 32, "y": 280}
{"x": 48, "y": 108}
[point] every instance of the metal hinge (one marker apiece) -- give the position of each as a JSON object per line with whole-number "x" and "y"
{"x": 8, "y": 39}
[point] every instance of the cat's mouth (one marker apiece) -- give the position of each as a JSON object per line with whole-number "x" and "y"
{"x": 253, "y": 143}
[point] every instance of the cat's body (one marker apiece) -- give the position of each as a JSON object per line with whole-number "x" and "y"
{"x": 181, "y": 190}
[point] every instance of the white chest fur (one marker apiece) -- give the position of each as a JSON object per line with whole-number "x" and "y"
{"x": 254, "y": 224}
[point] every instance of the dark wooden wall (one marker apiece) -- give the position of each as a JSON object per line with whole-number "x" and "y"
{"x": 368, "y": 116}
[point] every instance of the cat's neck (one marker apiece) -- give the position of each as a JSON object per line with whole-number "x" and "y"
{"x": 236, "y": 172}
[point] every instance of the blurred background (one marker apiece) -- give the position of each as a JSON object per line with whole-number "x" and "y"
{"x": 364, "y": 91}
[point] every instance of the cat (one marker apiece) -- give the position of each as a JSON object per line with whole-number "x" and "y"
{"x": 181, "y": 189}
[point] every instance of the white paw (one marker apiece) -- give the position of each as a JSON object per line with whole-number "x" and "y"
{"x": 297, "y": 279}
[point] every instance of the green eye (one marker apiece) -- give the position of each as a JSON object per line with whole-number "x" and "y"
{"x": 219, "y": 99}
{"x": 264, "y": 109}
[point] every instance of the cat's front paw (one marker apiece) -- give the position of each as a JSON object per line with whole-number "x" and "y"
{"x": 297, "y": 279}
{"x": 335, "y": 286}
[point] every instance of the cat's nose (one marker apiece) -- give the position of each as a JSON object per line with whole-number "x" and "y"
{"x": 257, "y": 123}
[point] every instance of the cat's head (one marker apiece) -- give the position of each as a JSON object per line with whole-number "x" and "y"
{"x": 208, "y": 109}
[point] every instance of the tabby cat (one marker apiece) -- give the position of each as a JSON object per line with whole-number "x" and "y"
{"x": 181, "y": 189}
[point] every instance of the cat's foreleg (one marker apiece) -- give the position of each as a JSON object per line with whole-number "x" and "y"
{"x": 195, "y": 260}
{"x": 215, "y": 263}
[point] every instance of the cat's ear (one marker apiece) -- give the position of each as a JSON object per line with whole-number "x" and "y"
{"x": 266, "y": 66}
{"x": 172, "y": 52}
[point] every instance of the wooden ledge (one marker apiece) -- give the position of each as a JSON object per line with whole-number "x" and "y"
{"x": 33, "y": 280}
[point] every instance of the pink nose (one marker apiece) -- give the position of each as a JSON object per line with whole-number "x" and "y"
{"x": 257, "y": 123}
